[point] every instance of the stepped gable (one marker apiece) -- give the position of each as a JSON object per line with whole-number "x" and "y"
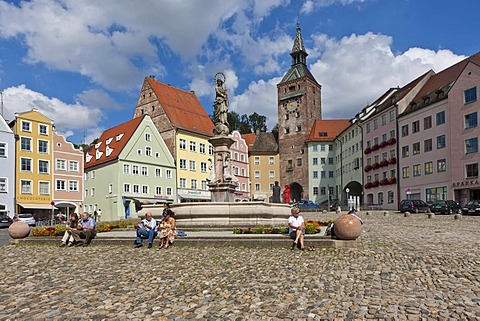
{"x": 249, "y": 140}
{"x": 111, "y": 143}
{"x": 328, "y": 129}
{"x": 265, "y": 143}
{"x": 438, "y": 86}
{"x": 183, "y": 108}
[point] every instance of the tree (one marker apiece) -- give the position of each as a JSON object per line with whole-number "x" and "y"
{"x": 257, "y": 122}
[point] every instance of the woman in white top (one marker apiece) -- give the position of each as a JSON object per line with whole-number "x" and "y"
{"x": 296, "y": 228}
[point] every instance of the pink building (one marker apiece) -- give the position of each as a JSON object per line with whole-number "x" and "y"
{"x": 380, "y": 147}
{"x": 239, "y": 157}
{"x": 67, "y": 176}
{"x": 439, "y": 136}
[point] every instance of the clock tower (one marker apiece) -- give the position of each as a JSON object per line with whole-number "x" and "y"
{"x": 299, "y": 105}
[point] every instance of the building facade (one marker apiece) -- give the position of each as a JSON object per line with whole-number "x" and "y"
{"x": 239, "y": 158}
{"x": 7, "y": 164}
{"x": 130, "y": 165}
{"x": 34, "y": 157}
{"x": 67, "y": 176}
{"x": 299, "y": 106}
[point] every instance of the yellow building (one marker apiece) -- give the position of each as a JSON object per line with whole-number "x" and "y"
{"x": 33, "y": 169}
{"x": 264, "y": 167}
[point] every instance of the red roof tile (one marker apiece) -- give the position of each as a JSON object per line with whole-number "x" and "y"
{"x": 115, "y": 138}
{"x": 331, "y": 128}
{"x": 183, "y": 108}
{"x": 249, "y": 140}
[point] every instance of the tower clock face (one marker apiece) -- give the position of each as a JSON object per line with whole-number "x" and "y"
{"x": 292, "y": 105}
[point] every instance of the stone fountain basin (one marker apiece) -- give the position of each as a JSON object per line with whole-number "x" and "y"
{"x": 224, "y": 214}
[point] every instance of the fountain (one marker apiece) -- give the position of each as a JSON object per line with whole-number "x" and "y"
{"x": 222, "y": 211}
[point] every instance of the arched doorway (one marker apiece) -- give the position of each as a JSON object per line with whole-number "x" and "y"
{"x": 354, "y": 189}
{"x": 296, "y": 192}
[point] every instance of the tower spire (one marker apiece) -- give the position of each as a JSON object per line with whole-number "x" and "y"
{"x": 298, "y": 53}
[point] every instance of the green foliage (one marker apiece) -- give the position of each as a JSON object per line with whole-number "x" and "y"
{"x": 237, "y": 230}
{"x": 258, "y": 230}
{"x": 310, "y": 228}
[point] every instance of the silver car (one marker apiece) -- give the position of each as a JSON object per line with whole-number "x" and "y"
{"x": 27, "y": 218}
{"x": 5, "y": 221}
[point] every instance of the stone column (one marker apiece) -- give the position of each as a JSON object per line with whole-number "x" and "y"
{"x": 223, "y": 186}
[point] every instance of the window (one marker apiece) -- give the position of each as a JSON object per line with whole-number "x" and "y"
{"x": 183, "y": 164}
{"x": 139, "y": 152}
{"x": 427, "y": 122}
{"x": 315, "y": 148}
{"x": 441, "y": 165}
{"x": 193, "y": 184}
{"x": 26, "y": 164}
{"x": 375, "y": 123}
{"x": 416, "y": 170}
{"x": 42, "y": 147}
{"x": 441, "y": 143}
{"x": 210, "y": 150}
{"x": 144, "y": 171}
{"x": 471, "y": 170}
{"x": 183, "y": 183}
{"x": 93, "y": 191}
{"x": 158, "y": 190}
{"x": 126, "y": 168}
{"x": 256, "y": 160}
{"x": 169, "y": 191}
{"x": 3, "y": 150}
{"x": 471, "y": 145}
{"x": 256, "y": 174}
{"x": 271, "y": 174}
{"x": 148, "y": 151}
{"x": 168, "y": 173}
{"x": 73, "y": 186}
{"x": 110, "y": 188}
{"x": 315, "y": 190}
{"x": 315, "y": 174}
{"x": 405, "y": 172}
{"x": 158, "y": 172}
{"x": 415, "y": 127}
{"x": 368, "y": 128}
{"x": 323, "y": 161}
{"x": 323, "y": 190}
{"x": 416, "y": 148}
{"x": 384, "y": 119}
{"x": 440, "y": 118}
{"x": 436, "y": 193}
{"x": 61, "y": 164}
{"x": 330, "y": 174}
{"x": 135, "y": 169}
{"x": 26, "y": 144}
{"x": 390, "y": 198}
{"x": 404, "y": 130}
{"x": 470, "y": 95}
{"x": 427, "y": 145}
{"x": 182, "y": 144}
{"x": 43, "y": 167}
{"x": 60, "y": 185}
{"x": 193, "y": 165}
{"x": 148, "y": 137}
{"x": 471, "y": 120}
{"x": 392, "y": 133}
{"x": 271, "y": 160}
{"x": 193, "y": 146}
{"x": 202, "y": 148}
{"x": 26, "y": 126}
{"x": 144, "y": 189}
{"x": 322, "y": 147}
{"x": 315, "y": 161}
{"x": 330, "y": 147}
{"x": 405, "y": 151}
{"x": 299, "y": 162}
{"x": 3, "y": 185}
{"x": 203, "y": 167}
{"x": 257, "y": 187}
{"x": 380, "y": 198}
{"x": 384, "y": 137}
{"x": 73, "y": 166}
{"x": 392, "y": 115}
{"x": 428, "y": 168}
{"x": 323, "y": 174}
{"x": 26, "y": 187}
{"x": 126, "y": 188}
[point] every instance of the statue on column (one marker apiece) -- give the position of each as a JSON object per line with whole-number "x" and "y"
{"x": 211, "y": 168}
{"x": 220, "y": 106}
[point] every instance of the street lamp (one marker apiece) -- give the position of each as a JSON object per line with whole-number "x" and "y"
{"x": 347, "y": 190}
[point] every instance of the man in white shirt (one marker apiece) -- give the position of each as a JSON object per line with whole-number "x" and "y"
{"x": 147, "y": 228}
{"x": 296, "y": 228}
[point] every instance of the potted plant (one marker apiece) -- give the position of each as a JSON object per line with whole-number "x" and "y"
{"x": 368, "y": 168}
{"x": 368, "y": 150}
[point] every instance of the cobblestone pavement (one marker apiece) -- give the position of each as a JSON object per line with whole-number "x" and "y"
{"x": 402, "y": 268}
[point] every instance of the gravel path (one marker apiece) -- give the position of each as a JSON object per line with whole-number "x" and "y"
{"x": 402, "y": 268}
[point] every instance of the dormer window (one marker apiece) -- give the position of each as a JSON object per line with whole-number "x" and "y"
{"x": 322, "y": 134}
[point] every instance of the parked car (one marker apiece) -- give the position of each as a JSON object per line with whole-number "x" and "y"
{"x": 5, "y": 221}
{"x": 27, "y": 218}
{"x": 307, "y": 203}
{"x": 413, "y": 206}
{"x": 472, "y": 207}
{"x": 446, "y": 207}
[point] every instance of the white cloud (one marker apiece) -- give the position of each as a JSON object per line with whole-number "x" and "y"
{"x": 310, "y": 6}
{"x": 66, "y": 117}
{"x": 97, "y": 98}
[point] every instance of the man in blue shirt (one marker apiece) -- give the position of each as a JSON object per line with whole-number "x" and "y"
{"x": 147, "y": 228}
{"x": 86, "y": 230}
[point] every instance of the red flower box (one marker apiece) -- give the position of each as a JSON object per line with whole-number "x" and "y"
{"x": 383, "y": 144}
{"x": 383, "y": 163}
{"x": 368, "y": 150}
{"x": 392, "y": 180}
{"x": 368, "y": 185}
{"x": 368, "y": 168}
{"x": 375, "y": 165}
{"x": 392, "y": 160}
{"x": 391, "y": 141}
{"x": 375, "y": 183}
{"x": 384, "y": 182}
{"x": 375, "y": 147}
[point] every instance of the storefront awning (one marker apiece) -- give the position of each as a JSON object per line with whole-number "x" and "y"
{"x": 195, "y": 197}
{"x": 36, "y": 206}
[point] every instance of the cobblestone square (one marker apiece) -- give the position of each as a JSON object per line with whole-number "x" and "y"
{"x": 401, "y": 268}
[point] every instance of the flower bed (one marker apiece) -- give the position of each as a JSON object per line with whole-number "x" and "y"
{"x": 59, "y": 230}
{"x": 311, "y": 227}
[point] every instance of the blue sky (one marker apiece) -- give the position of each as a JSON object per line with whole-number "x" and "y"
{"x": 82, "y": 63}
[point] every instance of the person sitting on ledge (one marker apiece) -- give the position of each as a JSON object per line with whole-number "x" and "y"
{"x": 147, "y": 228}
{"x": 167, "y": 230}
{"x": 296, "y": 228}
{"x": 86, "y": 230}
{"x": 71, "y": 225}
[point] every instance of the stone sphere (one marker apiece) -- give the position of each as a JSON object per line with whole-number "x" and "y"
{"x": 347, "y": 227}
{"x": 19, "y": 230}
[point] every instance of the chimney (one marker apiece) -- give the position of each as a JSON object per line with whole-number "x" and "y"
{"x": 257, "y": 132}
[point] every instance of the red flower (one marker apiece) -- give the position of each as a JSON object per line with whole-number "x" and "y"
{"x": 368, "y": 150}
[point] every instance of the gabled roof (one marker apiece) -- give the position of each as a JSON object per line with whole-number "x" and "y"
{"x": 111, "y": 143}
{"x": 327, "y": 129}
{"x": 298, "y": 71}
{"x": 264, "y": 143}
{"x": 182, "y": 108}
{"x": 438, "y": 86}
{"x": 249, "y": 140}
